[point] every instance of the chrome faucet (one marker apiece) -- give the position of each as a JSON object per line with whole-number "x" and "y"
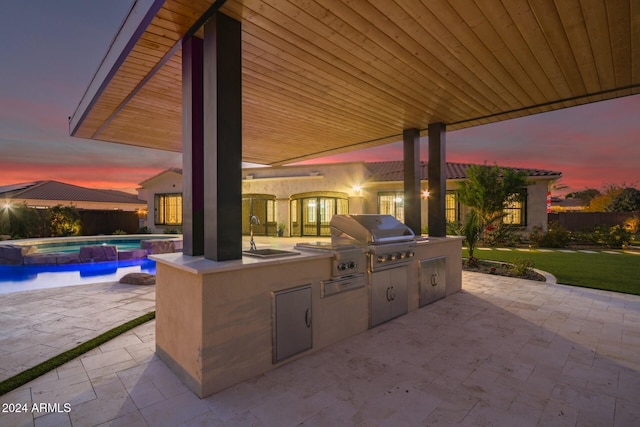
{"x": 253, "y": 220}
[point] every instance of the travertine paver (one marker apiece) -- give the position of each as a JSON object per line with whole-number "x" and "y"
{"x": 40, "y": 324}
{"x": 502, "y": 352}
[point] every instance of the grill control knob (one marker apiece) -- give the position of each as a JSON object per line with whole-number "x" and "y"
{"x": 352, "y": 265}
{"x": 392, "y": 257}
{"x": 401, "y": 255}
{"x": 381, "y": 258}
{"x": 342, "y": 266}
{"x": 410, "y": 254}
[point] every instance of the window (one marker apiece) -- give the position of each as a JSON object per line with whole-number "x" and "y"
{"x": 391, "y": 203}
{"x": 452, "y": 211}
{"x": 515, "y": 212}
{"x": 168, "y": 209}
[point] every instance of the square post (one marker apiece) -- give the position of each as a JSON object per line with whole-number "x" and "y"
{"x": 222, "y": 67}
{"x": 437, "y": 175}
{"x": 411, "y": 153}
{"x": 192, "y": 148}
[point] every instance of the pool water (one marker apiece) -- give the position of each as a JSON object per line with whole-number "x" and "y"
{"x": 75, "y": 246}
{"x": 14, "y": 278}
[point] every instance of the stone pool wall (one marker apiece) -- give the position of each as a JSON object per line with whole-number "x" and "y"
{"x": 12, "y": 254}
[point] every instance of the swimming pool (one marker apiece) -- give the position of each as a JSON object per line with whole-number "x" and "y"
{"x": 15, "y": 278}
{"x": 73, "y": 244}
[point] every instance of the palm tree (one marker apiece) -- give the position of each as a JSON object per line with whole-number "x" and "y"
{"x": 471, "y": 232}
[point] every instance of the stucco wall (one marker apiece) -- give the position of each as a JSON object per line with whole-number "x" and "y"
{"x": 163, "y": 183}
{"x": 284, "y": 182}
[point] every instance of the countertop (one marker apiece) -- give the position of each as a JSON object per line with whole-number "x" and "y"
{"x": 200, "y": 265}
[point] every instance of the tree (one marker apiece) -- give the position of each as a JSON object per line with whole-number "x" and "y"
{"x": 628, "y": 200}
{"x": 64, "y": 221}
{"x": 488, "y": 190}
{"x": 616, "y": 198}
{"x": 584, "y": 196}
{"x": 471, "y": 232}
{"x": 20, "y": 221}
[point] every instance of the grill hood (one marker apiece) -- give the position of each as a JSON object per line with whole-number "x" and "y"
{"x": 369, "y": 229}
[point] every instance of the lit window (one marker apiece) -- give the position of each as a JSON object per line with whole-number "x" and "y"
{"x": 515, "y": 212}
{"x": 168, "y": 209}
{"x": 452, "y": 212}
{"x": 391, "y": 203}
{"x": 315, "y": 212}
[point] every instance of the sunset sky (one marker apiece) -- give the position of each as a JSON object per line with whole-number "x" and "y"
{"x": 51, "y": 49}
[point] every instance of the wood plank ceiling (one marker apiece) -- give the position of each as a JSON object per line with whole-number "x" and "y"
{"x": 328, "y": 76}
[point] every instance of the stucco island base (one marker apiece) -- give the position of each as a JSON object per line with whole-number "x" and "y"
{"x": 214, "y": 320}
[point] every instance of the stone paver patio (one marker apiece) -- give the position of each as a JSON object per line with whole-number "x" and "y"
{"x": 37, "y": 325}
{"x": 503, "y": 352}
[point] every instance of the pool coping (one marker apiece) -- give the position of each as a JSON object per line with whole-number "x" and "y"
{"x": 25, "y": 251}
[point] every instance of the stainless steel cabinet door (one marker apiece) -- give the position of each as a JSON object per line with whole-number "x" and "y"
{"x": 292, "y": 322}
{"x": 399, "y": 289}
{"x": 433, "y": 280}
{"x": 388, "y": 294}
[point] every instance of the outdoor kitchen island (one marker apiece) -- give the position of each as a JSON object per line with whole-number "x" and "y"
{"x": 220, "y": 323}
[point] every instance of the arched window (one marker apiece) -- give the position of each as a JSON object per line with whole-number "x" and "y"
{"x": 312, "y": 212}
{"x": 263, "y": 206}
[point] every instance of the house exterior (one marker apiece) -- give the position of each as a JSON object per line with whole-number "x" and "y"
{"x": 300, "y": 200}
{"x": 46, "y": 194}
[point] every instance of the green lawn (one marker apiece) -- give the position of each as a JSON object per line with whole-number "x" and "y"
{"x": 620, "y": 273}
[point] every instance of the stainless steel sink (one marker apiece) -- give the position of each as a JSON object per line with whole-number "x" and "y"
{"x": 269, "y": 253}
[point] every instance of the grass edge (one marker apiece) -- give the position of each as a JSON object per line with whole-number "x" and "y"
{"x": 31, "y": 374}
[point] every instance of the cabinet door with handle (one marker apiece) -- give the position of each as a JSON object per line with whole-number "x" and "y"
{"x": 292, "y": 322}
{"x": 388, "y": 294}
{"x": 433, "y": 278}
{"x": 399, "y": 289}
{"x": 381, "y": 297}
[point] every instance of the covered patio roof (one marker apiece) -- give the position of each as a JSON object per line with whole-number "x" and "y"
{"x": 324, "y": 77}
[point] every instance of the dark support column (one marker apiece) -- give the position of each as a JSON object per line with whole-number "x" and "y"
{"x": 192, "y": 148}
{"x": 412, "y": 218}
{"x": 222, "y": 139}
{"x": 437, "y": 175}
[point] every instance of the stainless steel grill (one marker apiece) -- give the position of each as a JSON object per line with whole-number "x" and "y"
{"x": 389, "y": 242}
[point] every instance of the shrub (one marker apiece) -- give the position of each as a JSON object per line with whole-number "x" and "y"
{"x": 556, "y": 237}
{"x": 64, "y": 221}
{"x": 521, "y": 266}
{"x": 454, "y": 228}
{"x": 612, "y": 237}
{"x": 632, "y": 225}
{"x": 119, "y": 232}
{"x": 502, "y": 235}
{"x": 143, "y": 230}
{"x": 20, "y": 221}
{"x": 172, "y": 231}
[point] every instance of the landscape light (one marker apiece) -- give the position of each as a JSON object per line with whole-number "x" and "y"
{"x": 425, "y": 193}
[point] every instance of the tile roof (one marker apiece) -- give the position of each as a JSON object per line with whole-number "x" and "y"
{"x": 55, "y": 190}
{"x": 394, "y": 171}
